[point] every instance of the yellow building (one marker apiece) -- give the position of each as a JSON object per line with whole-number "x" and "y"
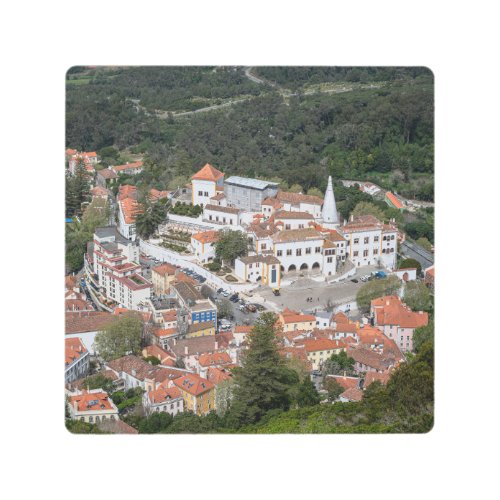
{"x": 201, "y": 329}
{"x": 162, "y": 277}
{"x": 292, "y": 321}
{"x": 198, "y": 393}
{"x": 319, "y": 350}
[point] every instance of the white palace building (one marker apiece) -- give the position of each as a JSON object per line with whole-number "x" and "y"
{"x": 291, "y": 231}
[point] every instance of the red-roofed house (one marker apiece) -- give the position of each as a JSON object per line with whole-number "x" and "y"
{"x": 91, "y": 406}
{"x": 396, "y": 320}
{"x": 163, "y": 399}
{"x": 77, "y": 360}
{"x": 162, "y": 276}
{"x": 198, "y": 393}
{"x": 203, "y": 245}
{"x": 205, "y": 183}
{"x": 129, "y": 168}
{"x": 293, "y": 320}
{"x": 319, "y": 350}
{"x": 352, "y": 394}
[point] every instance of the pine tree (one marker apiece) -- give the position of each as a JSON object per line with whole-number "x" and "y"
{"x": 260, "y": 383}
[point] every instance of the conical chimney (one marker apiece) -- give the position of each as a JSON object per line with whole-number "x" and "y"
{"x": 329, "y": 213}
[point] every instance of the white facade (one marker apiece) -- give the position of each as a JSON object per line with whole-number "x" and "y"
{"x": 173, "y": 406}
{"x": 292, "y": 222}
{"x": 204, "y": 251}
{"x": 203, "y": 190}
{"x": 221, "y": 215}
{"x": 127, "y": 229}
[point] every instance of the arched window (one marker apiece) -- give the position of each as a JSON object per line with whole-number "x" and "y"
{"x": 304, "y": 266}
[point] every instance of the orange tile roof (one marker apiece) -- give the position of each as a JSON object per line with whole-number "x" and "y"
{"x": 165, "y": 269}
{"x": 194, "y": 384}
{"x": 154, "y": 194}
{"x": 127, "y": 166}
{"x": 243, "y": 328}
{"x": 164, "y": 332}
{"x": 215, "y": 358}
{"x": 394, "y": 201}
{"x": 289, "y": 316}
{"x": 99, "y": 191}
{"x": 130, "y": 209}
{"x": 352, "y": 394}
{"x": 206, "y": 236}
{"x": 273, "y": 202}
{"x": 371, "y": 377}
{"x": 390, "y": 310}
{"x": 340, "y": 317}
{"x": 86, "y": 321}
{"x": 74, "y": 348}
{"x": 313, "y": 345}
{"x": 284, "y": 214}
{"x": 345, "y": 382}
{"x": 91, "y": 401}
{"x": 298, "y": 198}
{"x": 127, "y": 191}
{"x": 170, "y": 315}
{"x": 208, "y": 173}
{"x": 218, "y": 375}
{"x": 164, "y": 394}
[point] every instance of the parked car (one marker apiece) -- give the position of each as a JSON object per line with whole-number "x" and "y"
{"x": 259, "y": 307}
{"x": 251, "y": 308}
{"x": 220, "y": 290}
{"x": 354, "y": 280}
{"x": 243, "y": 309}
{"x": 225, "y": 293}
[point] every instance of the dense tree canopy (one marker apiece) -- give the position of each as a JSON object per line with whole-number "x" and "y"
{"x": 231, "y": 245}
{"x": 376, "y": 288}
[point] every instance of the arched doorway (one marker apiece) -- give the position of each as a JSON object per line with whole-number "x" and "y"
{"x": 304, "y": 266}
{"x": 315, "y": 265}
{"x": 292, "y": 268}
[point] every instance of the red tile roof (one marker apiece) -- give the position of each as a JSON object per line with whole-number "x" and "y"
{"x": 394, "y": 201}
{"x": 289, "y": 316}
{"x": 86, "y": 321}
{"x": 128, "y": 166}
{"x": 164, "y": 394}
{"x": 376, "y": 376}
{"x": 164, "y": 269}
{"x": 389, "y": 310}
{"x": 345, "y": 382}
{"x": 74, "y": 349}
{"x": 194, "y": 384}
{"x": 91, "y": 401}
{"x": 295, "y": 198}
{"x": 352, "y": 394}
{"x": 313, "y": 345}
{"x": 207, "y": 236}
{"x": 284, "y": 214}
{"x": 215, "y": 358}
{"x": 218, "y": 375}
{"x": 208, "y": 173}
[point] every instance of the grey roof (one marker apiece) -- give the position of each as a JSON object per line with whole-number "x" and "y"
{"x": 106, "y": 232}
{"x": 187, "y": 291}
{"x": 250, "y": 183}
{"x": 252, "y": 259}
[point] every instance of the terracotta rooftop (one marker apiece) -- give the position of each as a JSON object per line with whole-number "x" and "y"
{"x": 74, "y": 349}
{"x": 116, "y": 427}
{"x": 165, "y": 269}
{"x": 194, "y": 384}
{"x": 371, "y": 377}
{"x": 208, "y": 173}
{"x": 107, "y": 173}
{"x": 91, "y": 401}
{"x": 296, "y": 235}
{"x": 218, "y": 375}
{"x": 206, "y": 236}
{"x": 214, "y": 358}
{"x": 141, "y": 370}
{"x": 389, "y": 310}
{"x": 352, "y": 394}
{"x": 394, "y": 201}
{"x": 295, "y": 198}
{"x": 128, "y": 166}
{"x": 86, "y": 321}
{"x": 346, "y": 382}
{"x": 218, "y": 208}
{"x": 284, "y": 214}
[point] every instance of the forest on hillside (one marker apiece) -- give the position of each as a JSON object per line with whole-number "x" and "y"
{"x": 384, "y": 134}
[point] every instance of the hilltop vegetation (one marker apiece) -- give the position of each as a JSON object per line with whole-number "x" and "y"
{"x": 384, "y": 134}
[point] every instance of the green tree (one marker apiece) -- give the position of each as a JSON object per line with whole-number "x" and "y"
{"x": 315, "y": 192}
{"x": 98, "y": 381}
{"x": 231, "y": 245}
{"x": 223, "y": 396}
{"x": 77, "y": 189}
{"x": 307, "y": 394}
{"x": 153, "y": 360}
{"x": 178, "y": 181}
{"x": 417, "y": 296}
{"x": 425, "y": 243}
{"x": 333, "y": 387}
{"x": 296, "y": 188}
{"x": 150, "y": 216}
{"x": 339, "y": 363}
{"x": 423, "y": 335}
{"x": 120, "y": 337}
{"x": 224, "y": 309}
{"x": 410, "y": 263}
{"x": 366, "y": 208}
{"x": 376, "y": 288}
{"x": 259, "y": 384}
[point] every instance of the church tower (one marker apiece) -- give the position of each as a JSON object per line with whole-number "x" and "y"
{"x": 329, "y": 213}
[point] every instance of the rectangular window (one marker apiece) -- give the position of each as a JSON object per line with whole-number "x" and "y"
{"x": 263, "y": 246}
{"x": 279, "y": 253}
{"x": 365, "y": 253}
{"x": 289, "y": 251}
{"x": 200, "y": 193}
{"x": 206, "y": 193}
{"x": 287, "y": 226}
{"x": 329, "y": 260}
{"x": 298, "y": 252}
{"x": 301, "y": 226}
{"x": 375, "y": 251}
{"x": 356, "y": 241}
{"x": 375, "y": 239}
{"x": 308, "y": 250}
{"x": 355, "y": 253}
{"x": 367, "y": 240}
{"x": 317, "y": 250}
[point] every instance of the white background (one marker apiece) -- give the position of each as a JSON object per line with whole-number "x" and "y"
{"x": 457, "y": 41}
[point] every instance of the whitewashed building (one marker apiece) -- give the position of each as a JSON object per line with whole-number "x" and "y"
{"x": 206, "y": 183}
